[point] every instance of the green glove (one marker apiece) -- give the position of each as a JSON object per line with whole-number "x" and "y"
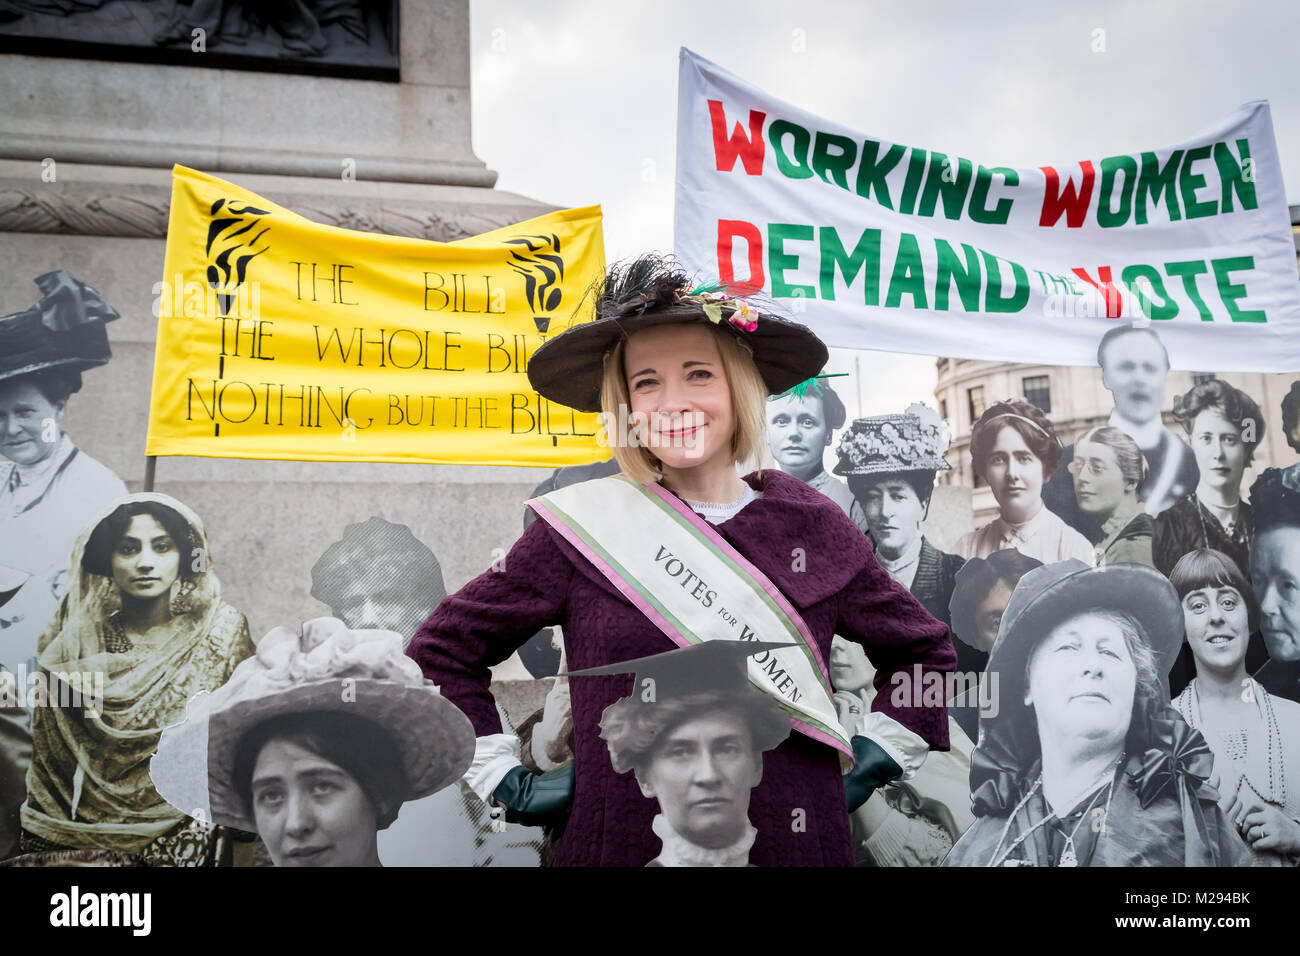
{"x": 872, "y": 768}
{"x": 536, "y": 800}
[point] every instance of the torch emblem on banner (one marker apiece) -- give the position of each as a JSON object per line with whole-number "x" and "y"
{"x": 543, "y": 270}
{"x": 234, "y": 231}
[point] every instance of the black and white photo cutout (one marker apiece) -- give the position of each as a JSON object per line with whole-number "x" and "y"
{"x": 906, "y": 823}
{"x": 1084, "y": 762}
{"x": 1109, "y": 470}
{"x": 1255, "y": 736}
{"x": 979, "y": 599}
{"x": 1291, "y": 417}
{"x": 1225, "y": 426}
{"x": 801, "y": 425}
{"x": 1134, "y": 369}
{"x": 1014, "y": 448}
{"x": 315, "y": 743}
{"x": 693, "y": 731}
{"x": 1275, "y": 577}
{"x": 49, "y": 487}
{"x": 890, "y": 462}
{"x": 142, "y": 629}
{"x": 380, "y": 576}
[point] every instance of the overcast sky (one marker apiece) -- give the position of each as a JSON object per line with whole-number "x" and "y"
{"x": 575, "y": 102}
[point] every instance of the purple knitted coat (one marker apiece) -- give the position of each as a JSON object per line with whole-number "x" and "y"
{"x": 839, "y": 590}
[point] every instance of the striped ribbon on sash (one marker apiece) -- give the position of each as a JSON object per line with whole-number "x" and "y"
{"x": 694, "y": 586}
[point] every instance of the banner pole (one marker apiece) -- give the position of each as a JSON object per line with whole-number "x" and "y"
{"x": 150, "y": 461}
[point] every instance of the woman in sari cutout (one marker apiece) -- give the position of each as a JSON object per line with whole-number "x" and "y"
{"x": 141, "y": 630}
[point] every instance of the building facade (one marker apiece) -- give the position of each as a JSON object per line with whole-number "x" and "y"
{"x": 1075, "y": 400}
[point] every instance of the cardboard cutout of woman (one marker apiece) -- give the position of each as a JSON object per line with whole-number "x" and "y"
{"x": 693, "y": 732}
{"x": 1109, "y": 470}
{"x": 891, "y": 462}
{"x": 1135, "y": 369}
{"x": 1085, "y": 763}
{"x": 1015, "y": 448}
{"x": 912, "y": 823}
{"x": 1255, "y": 736}
{"x": 1225, "y": 426}
{"x": 380, "y": 576}
{"x": 1275, "y": 577}
{"x": 144, "y": 625}
{"x": 49, "y": 488}
{"x": 801, "y": 425}
{"x": 315, "y": 744}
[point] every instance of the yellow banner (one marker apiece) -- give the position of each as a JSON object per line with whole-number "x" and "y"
{"x": 281, "y": 338}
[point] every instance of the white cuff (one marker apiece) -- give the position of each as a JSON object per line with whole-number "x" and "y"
{"x": 494, "y": 756}
{"x": 888, "y": 843}
{"x": 904, "y": 747}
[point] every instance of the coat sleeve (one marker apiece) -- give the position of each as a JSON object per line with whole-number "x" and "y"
{"x": 900, "y": 636}
{"x": 484, "y": 622}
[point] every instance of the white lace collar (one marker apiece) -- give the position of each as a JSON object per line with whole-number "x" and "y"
{"x": 679, "y": 851}
{"x": 718, "y": 512}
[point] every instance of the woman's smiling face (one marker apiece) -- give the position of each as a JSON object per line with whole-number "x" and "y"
{"x": 1217, "y": 626}
{"x": 679, "y": 394}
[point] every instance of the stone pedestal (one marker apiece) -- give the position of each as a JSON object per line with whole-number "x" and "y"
{"x": 86, "y": 149}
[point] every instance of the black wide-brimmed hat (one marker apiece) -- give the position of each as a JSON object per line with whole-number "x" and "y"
{"x": 649, "y": 292}
{"x": 1049, "y": 595}
{"x": 64, "y": 331}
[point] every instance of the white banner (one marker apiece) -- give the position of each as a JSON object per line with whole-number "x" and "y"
{"x": 880, "y": 245}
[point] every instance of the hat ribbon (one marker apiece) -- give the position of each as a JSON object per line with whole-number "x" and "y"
{"x": 996, "y": 792}
{"x": 1180, "y": 757}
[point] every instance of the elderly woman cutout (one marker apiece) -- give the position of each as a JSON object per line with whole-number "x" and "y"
{"x": 1085, "y": 764}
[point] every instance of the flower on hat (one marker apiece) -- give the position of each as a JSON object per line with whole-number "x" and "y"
{"x": 325, "y": 649}
{"x": 713, "y": 297}
{"x": 745, "y": 317}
